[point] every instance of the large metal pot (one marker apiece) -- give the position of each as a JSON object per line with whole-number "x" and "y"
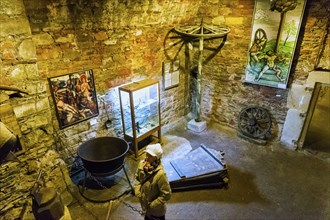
{"x": 103, "y": 155}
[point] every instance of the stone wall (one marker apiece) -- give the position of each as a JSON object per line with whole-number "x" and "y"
{"x": 28, "y": 116}
{"x": 224, "y": 93}
{"x": 123, "y": 41}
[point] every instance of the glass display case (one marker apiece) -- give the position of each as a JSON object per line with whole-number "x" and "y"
{"x": 140, "y": 113}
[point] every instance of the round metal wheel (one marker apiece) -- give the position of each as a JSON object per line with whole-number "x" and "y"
{"x": 254, "y": 122}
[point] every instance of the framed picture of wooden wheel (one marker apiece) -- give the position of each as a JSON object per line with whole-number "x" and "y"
{"x": 275, "y": 30}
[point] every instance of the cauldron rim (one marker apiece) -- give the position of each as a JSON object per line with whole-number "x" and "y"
{"x": 106, "y": 160}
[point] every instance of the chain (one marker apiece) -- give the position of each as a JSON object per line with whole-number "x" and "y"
{"x": 99, "y": 183}
{"x": 132, "y": 207}
{"x": 119, "y": 198}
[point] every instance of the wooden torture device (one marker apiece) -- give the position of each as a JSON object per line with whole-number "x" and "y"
{"x": 199, "y": 33}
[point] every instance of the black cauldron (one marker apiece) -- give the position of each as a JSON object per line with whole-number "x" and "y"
{"x": 103, "y": 155}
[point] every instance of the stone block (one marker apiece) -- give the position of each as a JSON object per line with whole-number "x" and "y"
{"x": 37, "y": 121}
{"x": 42, "y": 104}
{"x": 218, "y": 20}
{"x": 102, "y": 35}
{"x": 27, "y": 50}
{"x": 234, "y": 20}
{"x": 32, "y": 138}
{"x": 14, "y": 26}
{"x": 18, "y": 73}
{"x": 22, "y": 72}
{"x": 70, "y": 38}
{"x": 3, "y": 97}
{"x": 24, "y": 110}
{"x": 292, "y": 128}
{"x": 9, "y": 54}
{"x": 53, "y": 27}
{"x": 35, "y": 87}
{"x": 196, "y": 126}
{"x": 71, "y": 141}
{"x": 25, "y": 128}
{"x": 31, "y": 71}
{"x": 110, "y": 42}
{"x": 299, "y": 98}
{"x": 48, "y": 53}
{"x": 72, "y": 55}
{"x": 10, "y": 7}
{"x": 42, "y": 39}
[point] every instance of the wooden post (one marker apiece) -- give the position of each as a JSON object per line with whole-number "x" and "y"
{"x": 200, "y": 32}
{"x": 199, "y": 76}
{"x": 187, "y": 85}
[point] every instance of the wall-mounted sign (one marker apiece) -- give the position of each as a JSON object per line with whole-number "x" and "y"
{"x": 171, "y": 74}
{"x": 274, "y": 35}
{"x": 74, "y": 97}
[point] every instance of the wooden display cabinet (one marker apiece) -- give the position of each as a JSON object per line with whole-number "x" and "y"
{"x": 140, "y": 113}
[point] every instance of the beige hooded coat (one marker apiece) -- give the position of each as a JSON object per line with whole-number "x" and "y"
{"x": 155, "y": 192}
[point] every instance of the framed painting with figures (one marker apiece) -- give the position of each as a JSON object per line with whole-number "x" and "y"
{"x": 74, "y": 97}
{"x": 275, "y": 30}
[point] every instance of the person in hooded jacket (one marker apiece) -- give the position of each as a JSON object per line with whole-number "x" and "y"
{"x": 151, "y": 184}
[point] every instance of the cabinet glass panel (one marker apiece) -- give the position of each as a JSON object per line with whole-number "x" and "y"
{"x": 146, "y": 109}
{"x": 127, "y": 119}
{"x": 143, "y": 115}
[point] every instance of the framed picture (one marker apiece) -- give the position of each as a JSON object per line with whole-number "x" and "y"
{"x": 74, "y": 97}
{"x": 275, "y": 30}
{"x": 171, "y": 74}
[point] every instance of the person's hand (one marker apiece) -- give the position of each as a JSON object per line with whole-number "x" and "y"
{"x": 146, "y": 166}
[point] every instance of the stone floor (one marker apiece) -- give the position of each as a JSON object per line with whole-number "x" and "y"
{"x": 266, "y": 182}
